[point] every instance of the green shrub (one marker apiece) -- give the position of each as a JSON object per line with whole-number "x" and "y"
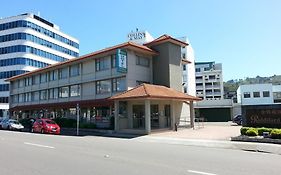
{"x": 262, "y": 130}
{"x": 276, "y": 134}
{"x": 243, "y": 130}
{"x": 252, "y": 132}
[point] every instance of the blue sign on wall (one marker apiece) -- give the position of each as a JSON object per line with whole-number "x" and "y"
{"x": 121, "y": 61}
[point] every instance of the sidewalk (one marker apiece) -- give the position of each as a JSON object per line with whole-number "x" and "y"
{"x": 214, "y": 135}
{"x": 210, "y": 131}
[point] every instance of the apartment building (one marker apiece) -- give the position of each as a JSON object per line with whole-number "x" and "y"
{"x": 29, "y": 42}
{"x": 91, "y": 80}
{"x": 188, "y": 76}
{"x": 209, "y": 80}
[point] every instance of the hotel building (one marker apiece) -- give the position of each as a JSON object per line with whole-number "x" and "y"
{"x": 29, "y": 42}
{"x": 139, "y": 84}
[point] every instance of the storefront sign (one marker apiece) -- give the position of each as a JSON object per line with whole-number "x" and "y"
{"x": 121, "y": 61}
{"x": 269, "y": 116}
{"x": 136, "y": 36}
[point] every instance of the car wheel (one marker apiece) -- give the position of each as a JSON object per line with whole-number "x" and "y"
{"x": 9, "y": 128}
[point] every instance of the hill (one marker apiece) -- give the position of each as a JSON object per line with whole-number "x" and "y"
{"x": 232, "y": 85}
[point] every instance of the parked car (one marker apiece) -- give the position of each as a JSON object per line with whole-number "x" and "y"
{"x": 12, "y": 125}
{"x": 45, "y": 126}
{"x": 237, "y": 119}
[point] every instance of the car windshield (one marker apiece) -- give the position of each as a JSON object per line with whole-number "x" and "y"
{"x": 50, "y": 122}
{"x": 14, "y": 122}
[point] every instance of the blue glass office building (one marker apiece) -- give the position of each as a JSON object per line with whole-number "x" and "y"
{"x": 29, "y": 42}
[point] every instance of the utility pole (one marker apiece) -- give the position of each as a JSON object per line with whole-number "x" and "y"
{"x": 77, "y": 112}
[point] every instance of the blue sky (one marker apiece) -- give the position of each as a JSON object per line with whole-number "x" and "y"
{"x": 243, "y": 35}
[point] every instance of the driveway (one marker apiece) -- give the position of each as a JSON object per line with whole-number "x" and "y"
{"x": 208, "y": 130}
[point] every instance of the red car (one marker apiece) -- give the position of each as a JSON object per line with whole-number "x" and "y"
{"x": 45, "y": 126}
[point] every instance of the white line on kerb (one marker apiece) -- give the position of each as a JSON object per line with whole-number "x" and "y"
{"x": 34, "y": 144}
{"x": 200, "y": 172}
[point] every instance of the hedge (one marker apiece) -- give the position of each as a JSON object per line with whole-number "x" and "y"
{"x": 252, "y": 132}
{"x": 263, "y": 129}
{"x": 276, "y": 134}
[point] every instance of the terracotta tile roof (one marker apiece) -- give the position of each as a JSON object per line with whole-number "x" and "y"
{"x": 165, "y": 38}
{"x": 126, "y": 45}
{"x": 149, "y": 91}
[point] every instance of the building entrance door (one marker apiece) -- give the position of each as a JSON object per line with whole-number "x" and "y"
{"x": 154, "y": 116}
{"x": 167, "y": 114}
{"x": 138, "y": 116}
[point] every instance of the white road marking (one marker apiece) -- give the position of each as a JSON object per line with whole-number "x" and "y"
{"x": 200, "y": 172}
{"x": 43, "y": 146}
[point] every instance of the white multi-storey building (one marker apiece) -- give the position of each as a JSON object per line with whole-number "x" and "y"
{"x": 28, "y": 42}
{"x": 209, "y": 80}
{"x": 259, "y": 94}
{"x": 188, "y": 77}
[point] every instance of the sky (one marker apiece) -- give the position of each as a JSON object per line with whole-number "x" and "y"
{"x": 243, "y": 35}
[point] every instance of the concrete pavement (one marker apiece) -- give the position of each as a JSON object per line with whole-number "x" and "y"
{"x": 211, "y": 134}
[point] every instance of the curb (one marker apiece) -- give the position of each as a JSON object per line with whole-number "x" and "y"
{"x": 246, "y": 146}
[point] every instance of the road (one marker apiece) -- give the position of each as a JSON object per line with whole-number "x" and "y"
{"x": 37, "y": 154}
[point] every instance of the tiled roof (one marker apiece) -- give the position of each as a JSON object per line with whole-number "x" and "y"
{"x": 150, "y": 91}
{"x": 165, "y": 38}
{"x": 125, "y": 45}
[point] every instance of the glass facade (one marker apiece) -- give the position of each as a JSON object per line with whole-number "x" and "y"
{"x": 32, "y": 50}
{"x": 28, "y": 24}
{"x": 35, "y": 39}
{"x": 4, "y": 87}
{"x": 22, "y": 61}
{"x": 8, "y": 74}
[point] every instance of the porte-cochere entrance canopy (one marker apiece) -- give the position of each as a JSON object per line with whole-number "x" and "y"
{"x": 148, "y": 106}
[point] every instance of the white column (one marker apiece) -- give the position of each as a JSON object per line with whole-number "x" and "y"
{"x": 192, "y": 114}
{"x": 116, "y": 115}
{"x": 147, "y": 117}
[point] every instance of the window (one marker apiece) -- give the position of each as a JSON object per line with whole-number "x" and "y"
{"x": 247, "y": 95}
{"x": 118, "y": 84}
{"x": 75, "y": 90}
{"x": 53, "y": 75}
{"x": 102, "y": 64}
{"x": 43, "y": 78}
{"x": 51, "y": 93}
{"x": 74, "y": 70}
{"x": 142, "y": 61}
{"x": 43, "y": 95}
{"x": 103, "y": 87}
{"x": 212, "y": 77}
{"x": 63, "y": 92}
{"x": 35, "y": 79}
{"x": 63, "y": 73}
{"x": 113, "y": 61}
{"x": 184, "y": 67}
{"x": 265, "y": 94}
{"x": 185, "y": 89}
{"x": 256, "y": 94}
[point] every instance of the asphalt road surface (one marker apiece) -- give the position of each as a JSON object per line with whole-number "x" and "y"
{"x": 38, "y": 154}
